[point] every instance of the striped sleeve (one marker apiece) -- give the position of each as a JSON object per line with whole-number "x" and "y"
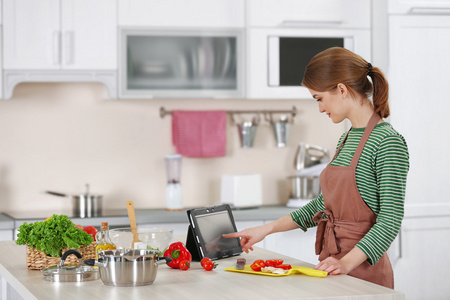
{"x": 391, "y": 166}
{"x": 303, "y": 216}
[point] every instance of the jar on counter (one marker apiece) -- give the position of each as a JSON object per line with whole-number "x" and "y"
{"x": 103, "y": 240}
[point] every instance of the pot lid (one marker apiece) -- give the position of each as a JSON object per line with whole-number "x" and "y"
{"x": 73, "y": 272}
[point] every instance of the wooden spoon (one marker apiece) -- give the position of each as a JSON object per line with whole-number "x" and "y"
{"x": 132, "y": 217}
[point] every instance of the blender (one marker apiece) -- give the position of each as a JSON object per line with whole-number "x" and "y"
{"x": 174, "y": 199}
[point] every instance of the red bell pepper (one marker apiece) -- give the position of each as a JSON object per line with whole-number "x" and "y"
{"x": 178, "y": 252}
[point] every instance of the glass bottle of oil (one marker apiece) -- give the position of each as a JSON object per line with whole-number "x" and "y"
{"x": 104, "y": 242}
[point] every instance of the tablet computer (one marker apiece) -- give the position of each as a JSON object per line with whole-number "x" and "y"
{"x": 205, "y": 231}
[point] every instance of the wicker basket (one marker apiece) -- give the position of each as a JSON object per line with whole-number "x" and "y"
{"x": 38, "y": 260}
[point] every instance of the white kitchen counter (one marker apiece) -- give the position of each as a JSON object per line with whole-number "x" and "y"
{"x": 177, "y": 284}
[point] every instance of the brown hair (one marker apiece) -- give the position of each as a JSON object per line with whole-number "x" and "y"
{"x": 339, "y": 65}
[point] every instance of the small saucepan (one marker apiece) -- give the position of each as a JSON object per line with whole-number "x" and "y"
{"x": 84, "y": 205}
{"x": 128, "y": 267}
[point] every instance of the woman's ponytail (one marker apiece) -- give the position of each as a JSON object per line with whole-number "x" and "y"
{"x": 380, "y": 93}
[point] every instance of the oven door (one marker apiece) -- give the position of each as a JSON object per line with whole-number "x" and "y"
{"x": 181, "y": 63}
{"x": 277, "y": 71}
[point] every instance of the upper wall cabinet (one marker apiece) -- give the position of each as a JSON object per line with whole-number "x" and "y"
{"x": 415, "y": 7}
{"x": 304, "y": 13}
{"x": 60, "y": 34}
{"x": 59, "y": 40}
{"x": 181, "y": 13}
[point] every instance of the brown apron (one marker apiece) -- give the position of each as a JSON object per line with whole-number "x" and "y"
{"x": 348, "y": 218}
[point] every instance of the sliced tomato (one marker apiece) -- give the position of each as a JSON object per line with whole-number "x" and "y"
{"x": 257, "y": 265}
{"x": 284, "y": 267}
{"x": 273, "y": 262}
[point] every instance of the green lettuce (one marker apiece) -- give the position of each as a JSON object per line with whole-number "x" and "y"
{"x": 53, "y": 235}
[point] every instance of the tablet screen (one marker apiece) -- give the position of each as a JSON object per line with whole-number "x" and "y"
{"x": 208, "y": 225}
{"x": 211, "y": 228}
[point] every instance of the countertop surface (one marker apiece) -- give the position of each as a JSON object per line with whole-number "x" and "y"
{"x": 193, "y": 283}
{"x": 143, "y": 216}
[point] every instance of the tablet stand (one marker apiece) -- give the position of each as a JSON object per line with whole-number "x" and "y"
{"x": 192, "y": 245}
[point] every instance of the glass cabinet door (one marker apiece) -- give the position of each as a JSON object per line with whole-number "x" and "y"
{"x": 181, "y": 64}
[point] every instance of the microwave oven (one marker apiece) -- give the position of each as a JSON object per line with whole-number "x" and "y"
{"x": 181, "y": 63}
{"x": 276, "y": 70}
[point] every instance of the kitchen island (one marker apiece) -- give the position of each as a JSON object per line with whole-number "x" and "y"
{"x": 20, "y": 283}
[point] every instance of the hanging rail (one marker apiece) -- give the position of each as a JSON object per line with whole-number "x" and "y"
{"x": 163, "y": 112}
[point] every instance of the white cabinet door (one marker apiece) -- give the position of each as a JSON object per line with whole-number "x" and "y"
{"x": 420, "y": 264}
{"x": 31, "y": 34}
{"x": 60, "y": 34}
{"x": 419, "y": 102}
{"x": 181, "y": 13}
{"x": 89, "y": 34}
{"x": 305, "y": 13}
{"x": 418, "y": 6}
{"x": 295, "y": 243}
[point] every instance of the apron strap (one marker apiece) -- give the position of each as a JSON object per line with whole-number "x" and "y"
{"x": 325, "y": 227}
{"x": 370, "y": 126}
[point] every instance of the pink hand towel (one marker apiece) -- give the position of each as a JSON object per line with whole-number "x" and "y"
{"x": 199, "y": 133}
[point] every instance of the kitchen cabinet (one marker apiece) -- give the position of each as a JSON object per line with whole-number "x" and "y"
{"x": 294, "y": 243}
{"x": 303, "y": 13}
{"x": 60, "y": 34}
{"x": 419, "y": 257}
{"x": 67, "y": 36}
{"x": 419, "y": 6}
{"x": 182, "y": 14}
{"x": 419, "y": 102}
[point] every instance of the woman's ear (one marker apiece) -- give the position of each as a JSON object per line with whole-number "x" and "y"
{"x": 342, "y": 90}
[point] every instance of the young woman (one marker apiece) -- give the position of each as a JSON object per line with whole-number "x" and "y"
{"x": 360, "y": 209}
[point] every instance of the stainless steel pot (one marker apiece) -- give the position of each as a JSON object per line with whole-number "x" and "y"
{"x": 128, "y": 267}
{"x": 84, "y": 205}
{"x": 304, "y": 187}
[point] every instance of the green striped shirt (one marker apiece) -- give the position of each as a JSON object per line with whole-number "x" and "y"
{"x": 381, "y": 180}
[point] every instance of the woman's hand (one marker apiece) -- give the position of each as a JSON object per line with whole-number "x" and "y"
{"x": 333, "y": 266}
{"x": 344, "y": 265}
{"x": 249, "y": 236}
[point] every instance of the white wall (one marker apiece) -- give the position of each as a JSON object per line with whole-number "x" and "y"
{"x": 59, "y": 136}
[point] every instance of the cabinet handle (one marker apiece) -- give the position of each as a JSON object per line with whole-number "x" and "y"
{"x": 56, "y": 47}
{"x": 400, "y": 248}
{"x": 429, "y": 11}
{"x": 68, "y": 47}
{"x": 309, "y": 23}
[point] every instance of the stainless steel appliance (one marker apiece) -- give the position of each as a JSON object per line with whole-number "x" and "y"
{"x": 181, "y": 63}
{"x": 309, "y": 162}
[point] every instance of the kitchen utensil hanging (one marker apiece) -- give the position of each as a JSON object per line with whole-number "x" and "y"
{"x": 281, "y": 128}
{"x": 247, "y": 129}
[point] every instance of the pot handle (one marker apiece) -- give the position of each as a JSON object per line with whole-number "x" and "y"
{"x": 70, "y": 252}
{"x": 163, "y": 260}
{"x": 93, "y": 262}
{"x": 56, "y": 194}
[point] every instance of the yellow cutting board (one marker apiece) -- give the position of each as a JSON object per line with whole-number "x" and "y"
{"x": 294, "y": 270}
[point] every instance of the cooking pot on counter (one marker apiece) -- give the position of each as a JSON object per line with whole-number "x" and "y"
{"x": 84, "y": 205}
{"x": 128, "y": 267}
